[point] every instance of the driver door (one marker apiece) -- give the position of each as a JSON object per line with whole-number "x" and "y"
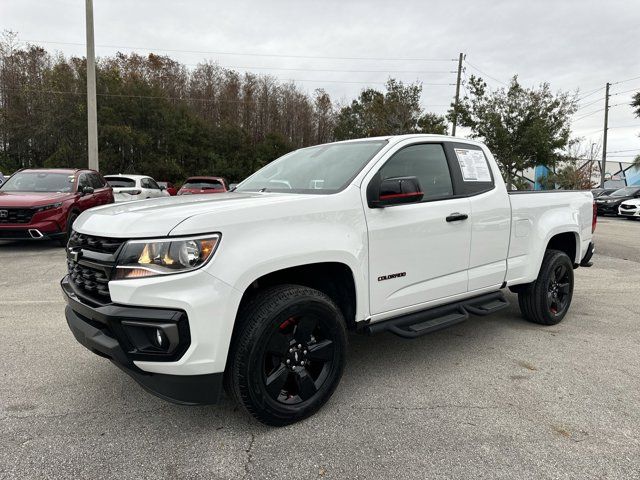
{"x": 416, "y": 254}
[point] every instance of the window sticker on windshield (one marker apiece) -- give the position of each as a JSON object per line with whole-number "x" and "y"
{"x": 473, "y": 165}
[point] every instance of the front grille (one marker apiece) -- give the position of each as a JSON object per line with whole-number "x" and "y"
{"x": 628, "y": 207}
{"x": 96, "y": 244}
{"x": 90, "y": 270}
{"x": 88, "y": 279}
{"x": 16, "y": 215}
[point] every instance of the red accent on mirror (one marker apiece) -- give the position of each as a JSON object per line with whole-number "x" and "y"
{"x": 400, "y": 195}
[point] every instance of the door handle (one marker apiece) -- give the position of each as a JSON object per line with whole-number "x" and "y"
{"x": 456, "y": 217}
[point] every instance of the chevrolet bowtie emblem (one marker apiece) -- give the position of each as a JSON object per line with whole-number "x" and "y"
{"x": 74, "y": 254}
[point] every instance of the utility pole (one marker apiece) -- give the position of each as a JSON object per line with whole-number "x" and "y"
{"x": 604, "y": 138}
{"x": 92, "y": 107}
{"x": 457, "y": 102}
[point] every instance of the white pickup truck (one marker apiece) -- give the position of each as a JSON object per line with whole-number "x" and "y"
{"x": 255, "y": 289}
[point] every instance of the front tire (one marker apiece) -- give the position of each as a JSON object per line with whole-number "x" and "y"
{"x": 547, "y": 300}
{"x": 287, "y": 355}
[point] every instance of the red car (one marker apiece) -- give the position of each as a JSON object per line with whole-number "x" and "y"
{"x": 41, "y": 204}
{"x": 169, "y": 187}
{"x": 195, "y": 185}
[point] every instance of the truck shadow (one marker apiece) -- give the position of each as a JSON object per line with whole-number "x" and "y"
{"x": 373, "y": 361}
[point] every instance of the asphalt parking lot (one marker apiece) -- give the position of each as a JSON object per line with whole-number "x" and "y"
{"x": 495, "y": 397}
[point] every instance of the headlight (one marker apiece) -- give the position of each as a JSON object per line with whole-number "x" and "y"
{"x": 49, "y": 207}
{"x": 150, "y": 258}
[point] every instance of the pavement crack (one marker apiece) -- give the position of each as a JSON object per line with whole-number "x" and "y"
{"x": 249, "y": 455}
{"x": 430, "y": 407}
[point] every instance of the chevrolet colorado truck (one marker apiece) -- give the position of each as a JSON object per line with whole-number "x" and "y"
{"x": 254, "y": 290}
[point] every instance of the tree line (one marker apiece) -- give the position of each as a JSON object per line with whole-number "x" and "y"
{"x": 156, "y": 116}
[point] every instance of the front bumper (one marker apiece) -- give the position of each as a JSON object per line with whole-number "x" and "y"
{"x": 103, "y": 329}
{"x": 629, "y": 212}
{"x": 32, "y": 231}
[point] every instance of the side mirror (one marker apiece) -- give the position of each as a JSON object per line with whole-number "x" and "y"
{"x": 394, "y": 191}
{"x": 87, "y": 190}
{"x": 162, "y": 188}
{"x": 232, "y": 186}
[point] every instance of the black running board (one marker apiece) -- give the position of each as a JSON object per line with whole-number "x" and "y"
{"x": 420, "y": 323}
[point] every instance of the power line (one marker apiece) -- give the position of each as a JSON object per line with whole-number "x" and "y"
{"x": 122, "y": 95}
{"x": 622, "y": 151}
{"x": 588, "y": 114}
{"x": 247, "y": 54}
{"x": 326, "y": 70}
{"x": 485, "y": 74}
{"x": 599, "y": 110}
{"x": 588, "y": 94}
{"x": 626, "y": 126}
{"x": 591, "y": 132}
{"x": 626, "y": 80}
{"x": 637, "y": 89}
{"x": 589, "y": 104}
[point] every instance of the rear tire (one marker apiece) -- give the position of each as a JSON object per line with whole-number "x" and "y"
{"x": 547, "y": 300}
{"x": 287, "y": 355}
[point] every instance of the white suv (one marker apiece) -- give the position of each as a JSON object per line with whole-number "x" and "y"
{"x": 127, "y": 188}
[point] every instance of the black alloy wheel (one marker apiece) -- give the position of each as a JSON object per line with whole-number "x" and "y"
{"x": 546, "y": 300}
{"x": 287, "y": 354}
{"x": 298, "y": 358}
{"x": 558, "y": 290}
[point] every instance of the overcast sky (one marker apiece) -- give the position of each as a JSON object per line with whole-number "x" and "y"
{"x": 570, "y": 44}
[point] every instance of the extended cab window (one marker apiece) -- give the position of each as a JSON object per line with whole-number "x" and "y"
{"x": 471, "y": 170}
{"x": 428, "y": 163}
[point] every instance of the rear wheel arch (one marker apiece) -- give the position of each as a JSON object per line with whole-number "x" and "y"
{"x": 567, "y": 242}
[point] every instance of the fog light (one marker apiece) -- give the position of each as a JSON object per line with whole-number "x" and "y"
{"x": 151, "y": 338}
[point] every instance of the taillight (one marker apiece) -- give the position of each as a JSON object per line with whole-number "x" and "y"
{"x": 594, "y": 220}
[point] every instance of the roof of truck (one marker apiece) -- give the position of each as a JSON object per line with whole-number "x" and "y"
{"x": 409, "y": 136}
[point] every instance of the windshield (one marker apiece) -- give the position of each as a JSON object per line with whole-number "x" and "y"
{"x": 323, "y": 169}
{"x": 120, "y": 182}
{"x": 39, "y": 182}
{"x": 203, "y": 184}
{"x": 626, "y": 192}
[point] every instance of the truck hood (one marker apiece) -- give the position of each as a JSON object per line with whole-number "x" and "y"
{"x": 159, "y": 216}
{"x": 31, "y": 199}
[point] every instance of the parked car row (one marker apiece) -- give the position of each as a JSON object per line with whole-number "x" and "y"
{"x": 127, "y": 188}
{"x": 41, "y": 204}
{"x": 624, "y": 202}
